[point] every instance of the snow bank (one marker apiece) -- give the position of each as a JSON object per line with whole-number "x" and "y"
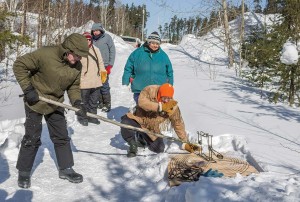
{"x": 289, "y": 54}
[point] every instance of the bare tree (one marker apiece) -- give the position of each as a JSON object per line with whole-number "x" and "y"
{"x": 24, "y": 9}
{"x": 227, "y": 34}
{"x": 11, "y": 7}
{"x": 40, "y": 24}
{"x": 242, "y": 30}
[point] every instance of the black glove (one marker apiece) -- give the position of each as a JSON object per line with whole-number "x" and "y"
{"x": 30, "y": 95}
{"x": 81, "y": 107}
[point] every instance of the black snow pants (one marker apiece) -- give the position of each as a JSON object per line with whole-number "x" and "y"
{"x": 105, "y": 97}
{"x": 90, "y": 99}
{"x": 129, "y": 135}
{"x": 31, "y": 141}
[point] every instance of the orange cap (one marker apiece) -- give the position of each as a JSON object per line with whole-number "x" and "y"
{"x": 165, "y": 90}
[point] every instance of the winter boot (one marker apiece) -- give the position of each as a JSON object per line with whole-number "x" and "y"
{"x": 70, "y": 175}
{"x": 140, "y": 140}
{"x": 132, "y": 149}
{"x": 106, "y": 108}
{"x": 100, "y": 105}
{"x": 83, "y": 122}
{"x": 94, "y": 121}
{"x": 107, "y": 102}
{"x": 24, "y": 179}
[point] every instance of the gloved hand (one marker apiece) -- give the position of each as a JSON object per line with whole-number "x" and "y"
{"x": 212, "y": 173}
{"x": 82, "y": 110}
{"x": 30, "y": 95}
{"x": 168, "y": 106}
{"x": 191, "y": 147}
{"x": 103, "y": 76}
{"x": 108, "y": 69}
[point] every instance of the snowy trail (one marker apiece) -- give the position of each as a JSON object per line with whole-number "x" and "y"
{"x": 211, "y": 99}
{"x": 100, "y": 155}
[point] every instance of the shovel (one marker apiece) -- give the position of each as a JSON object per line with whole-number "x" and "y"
{"x": 108, "y": 120}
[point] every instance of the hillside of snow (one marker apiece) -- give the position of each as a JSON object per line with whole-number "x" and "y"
{"x": 211, "y": 98}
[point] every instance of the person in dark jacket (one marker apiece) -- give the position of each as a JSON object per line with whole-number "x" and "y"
{"x": 49, "y": 72}
{"x": 147, "y": 65}
{"x": 106, "y": 45}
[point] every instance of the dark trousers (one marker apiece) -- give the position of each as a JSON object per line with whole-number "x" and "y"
{"x": 90, "y": 99}
{"x": 128, "y": 135}
{"x": 31, "y": 141}
{"x": 136, "y": 97}
{"x": 105, "y": 96}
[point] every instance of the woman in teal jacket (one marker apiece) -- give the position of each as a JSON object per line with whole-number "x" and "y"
{"x": 147, "y": 65}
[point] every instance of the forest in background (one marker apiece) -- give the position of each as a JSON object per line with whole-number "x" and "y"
{"x": 260, "y": 49}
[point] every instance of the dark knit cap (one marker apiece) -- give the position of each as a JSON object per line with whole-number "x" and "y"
{"x": 154, "y": 37}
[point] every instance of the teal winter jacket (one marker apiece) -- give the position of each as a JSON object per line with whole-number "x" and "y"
{"x": 147, "y": 68}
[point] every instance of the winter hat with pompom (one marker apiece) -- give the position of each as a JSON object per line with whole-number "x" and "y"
{"x": 154, "y": 37}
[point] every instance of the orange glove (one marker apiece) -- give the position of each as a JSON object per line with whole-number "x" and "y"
{"x": 191, "y": 147}
{"x": 168, "y": 106}
{"x": 103, "y": 76}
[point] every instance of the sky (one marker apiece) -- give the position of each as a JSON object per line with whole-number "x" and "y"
{"x": 244, "y": 125}
{"x": 161, "y": 11}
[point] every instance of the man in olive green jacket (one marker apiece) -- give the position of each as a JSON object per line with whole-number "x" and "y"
{"x": 49, "y": 72}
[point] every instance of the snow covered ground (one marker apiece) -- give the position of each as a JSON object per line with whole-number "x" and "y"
{"x": 212, "y": 99}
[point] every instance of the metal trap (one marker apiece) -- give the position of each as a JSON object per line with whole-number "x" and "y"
{"x": 211, "y": 151}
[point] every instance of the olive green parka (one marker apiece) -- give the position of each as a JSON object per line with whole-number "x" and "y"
{"x": 49, "y": 72}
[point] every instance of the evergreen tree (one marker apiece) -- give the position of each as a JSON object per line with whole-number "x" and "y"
{"x": 204, "y": 27}
{"x": 289, "y": 29}
{"x": 7, "y": 38}
{"x": 262, "y": 50}
{"x": 274, "y": 6}
{"x": 213, "y": 18}
{"x": 257, "y": 6}
{"x": 111, "y": 14}
{"x": 197, "y": 26}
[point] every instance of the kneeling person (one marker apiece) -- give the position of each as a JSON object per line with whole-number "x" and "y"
{"x": 155, "y": 108}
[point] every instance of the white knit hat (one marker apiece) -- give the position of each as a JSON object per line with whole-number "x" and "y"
{"x": 154, "y": 37}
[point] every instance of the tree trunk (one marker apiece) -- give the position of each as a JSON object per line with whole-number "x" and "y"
{"x": 227, "y": 34}
{"x": 67, "y": 14}
{"x": 48, "y": 40}
{"x": 292, "y": 85}
{"x": 40, "y": 23}
{"x": 242, "y": 30}
{"x": 24, "y": 9}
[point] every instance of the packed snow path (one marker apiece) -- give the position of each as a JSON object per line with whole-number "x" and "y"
{"x": 212, "y": 100}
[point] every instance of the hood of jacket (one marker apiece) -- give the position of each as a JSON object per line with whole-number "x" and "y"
{"x": 76, "y": 43}
{"x": 98, "y": 26}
